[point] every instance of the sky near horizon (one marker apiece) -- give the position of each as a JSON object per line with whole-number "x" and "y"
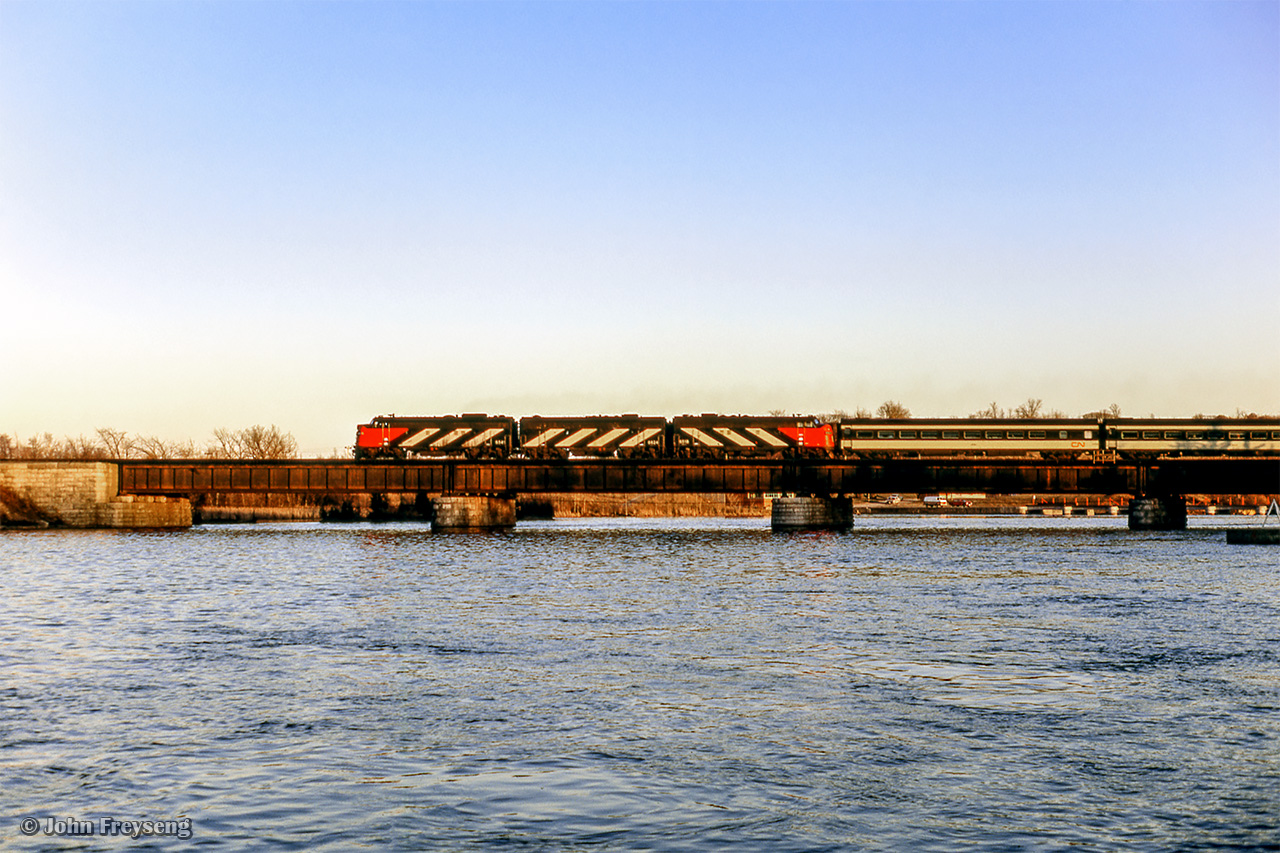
{"x": 218, "y": 214}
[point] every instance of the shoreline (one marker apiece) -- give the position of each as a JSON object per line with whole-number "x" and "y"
{"x": 239, "y": 509}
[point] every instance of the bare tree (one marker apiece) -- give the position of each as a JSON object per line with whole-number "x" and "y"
{"x": 185, "y": 449}
{"x": 892, "y": 409}
{"x": 226, "y": 444}
{"x": 992, "y": 412}
{"x": 862, "y": 413}
{"x": 268, "y": 443}
{"x": 115, "y": 442}
{"x": 1029, "y": 409}
{"x": 255, "y": 442}
{"x": 81, "y": 447}
{"x": 152, "y": 447}
{"x": 1112, "y": 411}
{"x": 40, "y": 447}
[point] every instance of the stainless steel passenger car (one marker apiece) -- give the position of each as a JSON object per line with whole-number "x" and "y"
{"x": 884, "y": 438}
{"x": 1143, "y": 438}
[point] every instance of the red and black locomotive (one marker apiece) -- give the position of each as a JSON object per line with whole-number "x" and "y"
{"x": 602, "y": 436}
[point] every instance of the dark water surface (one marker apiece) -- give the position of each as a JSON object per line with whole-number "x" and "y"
{"x": 918, "y": 684}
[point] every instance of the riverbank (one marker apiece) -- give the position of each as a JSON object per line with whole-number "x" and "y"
{"x": 408, "y": 506}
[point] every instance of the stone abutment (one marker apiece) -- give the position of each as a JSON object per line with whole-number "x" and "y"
{"x": 80, "y": 494}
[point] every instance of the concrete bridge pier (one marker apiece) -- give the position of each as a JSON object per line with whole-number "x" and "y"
{"x": 811, "y": 513}
{"x": 1158, "y": 513}
{"x": 473, "y": 513}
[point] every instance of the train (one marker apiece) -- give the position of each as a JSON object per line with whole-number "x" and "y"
{"x": 716, "y": 436}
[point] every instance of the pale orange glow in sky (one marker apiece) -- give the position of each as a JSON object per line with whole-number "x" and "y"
{"x": 222, "y": 214}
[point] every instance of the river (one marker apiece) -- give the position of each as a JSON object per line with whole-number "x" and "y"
{"x": 690, "y": 684}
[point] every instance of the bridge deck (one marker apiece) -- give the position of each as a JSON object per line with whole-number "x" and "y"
{"x": 1189, "y": 476}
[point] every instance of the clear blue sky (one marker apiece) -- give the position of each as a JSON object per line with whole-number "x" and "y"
{"x": 226, "y": 213}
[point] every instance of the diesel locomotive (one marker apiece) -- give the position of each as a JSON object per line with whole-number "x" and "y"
{"x": 715, "y": 436}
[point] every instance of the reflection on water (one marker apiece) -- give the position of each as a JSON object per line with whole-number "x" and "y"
{"x": 992, "y": 687}
{"x": 919, "y": 683}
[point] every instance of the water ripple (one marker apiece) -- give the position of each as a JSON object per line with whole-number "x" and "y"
{"x": 918, "y": 684}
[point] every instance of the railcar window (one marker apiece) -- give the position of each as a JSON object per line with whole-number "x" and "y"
{"x": 885, "y": 433}
{"x": 1276, "y": 434}
{"x": 1128, "y": 433}
{"x": 1088, "y": 433}
{"x": 1214, "y": 435}
{"x": 1236, "y": 436}
{"x": 1015, "y": 433}
{"x": 950, "y": 434}
{"x": 928, "y": 433}
{"x": 866, "y": 433}
{"x": 1062, "y": 433}
{"x": 1036, "y": 433}
{"x": 908, "y": 433}
{"x": 991, "y": 433}
{"x": 1257, "y": 435}
{"x": 972, "y": 434}
{"x": 1195, "y": 436}
{"x": 1172, "y": 435}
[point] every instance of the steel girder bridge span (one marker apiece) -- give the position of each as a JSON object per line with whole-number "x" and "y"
{"x": 481, "y": 493}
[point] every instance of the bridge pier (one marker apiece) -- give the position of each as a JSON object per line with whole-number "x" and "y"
{"x": 810, "y": 513}
{"x": 472, "y": 513}
{"x": 1162, "y": 513}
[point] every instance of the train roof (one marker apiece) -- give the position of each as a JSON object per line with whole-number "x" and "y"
{"x": 916, "y": 422}
{"x": 1185, "y": 423}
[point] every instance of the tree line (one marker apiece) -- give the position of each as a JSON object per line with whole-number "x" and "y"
{"x": 270, "y": 442}
{"x": 255, "y": 442}
{"x": 1032, "y": 409}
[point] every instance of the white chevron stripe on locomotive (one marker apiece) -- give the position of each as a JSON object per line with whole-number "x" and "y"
{"x": 766, "y": 436}
{"x": 609, "y": 436}
{"x": 482, "y": 437}
{"x": 576, "y": 437}
{"x": 702, "y": 437}
{"x": 544, "y": 437}
{"x": 419, "y": 437}
{"x": 451, "y": 437}
{"x": 640, "y": 437}
{"x": 735, "y": 437}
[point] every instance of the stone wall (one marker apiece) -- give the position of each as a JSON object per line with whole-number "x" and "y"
{"x": 808, "y": 513}
{"x": 1167, "y": 513}
{"x": 79, "y": 494}
{"x": 131, "y": 511}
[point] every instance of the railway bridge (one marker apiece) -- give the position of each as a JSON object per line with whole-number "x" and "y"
{"x": 481, "y": 493}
